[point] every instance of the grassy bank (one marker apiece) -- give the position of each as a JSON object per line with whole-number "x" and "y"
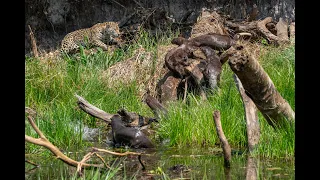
{"x": 193, "y": 124}
{"x": 50, "y": 89}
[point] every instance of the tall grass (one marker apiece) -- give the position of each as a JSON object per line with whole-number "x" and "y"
{"x": 50, "y": 89}
{"x": 192, "y": 124}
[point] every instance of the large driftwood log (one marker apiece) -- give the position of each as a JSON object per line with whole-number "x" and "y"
{"x": 253, "y": 129}
{"x": 92, "y": 110}
{"x": 225, "y": 145}
{"x": 130, "y": 118}
{"x": 260, "y": 88}
{"x": 282, "y": 31}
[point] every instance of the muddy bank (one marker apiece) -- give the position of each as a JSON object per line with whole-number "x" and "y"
{"x": 52, "y": 19}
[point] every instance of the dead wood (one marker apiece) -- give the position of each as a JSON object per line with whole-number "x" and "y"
{"x": 33, "y": 43}
{"x": 43, "y": 141}
{"x": 157, "y": 108}
{"x": 225, "y": 145}
{"x": 282, "y": 30}
{"x": 260, "y": 88}
{"x": 292, "y": 30}
{"x": 30, "y": 111}
{"x": 261, "y": 25}
{"x": 253, "y": 129}
{"x": 227, "y": 173}
{"x": 251, "y": 169}
{"x": 92, "y": 110}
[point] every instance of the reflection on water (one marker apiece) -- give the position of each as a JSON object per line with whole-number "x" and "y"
{"x": 190, "y": 163}
{"x": 164, "y": 163}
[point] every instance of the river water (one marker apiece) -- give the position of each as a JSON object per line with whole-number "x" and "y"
{"x": 165, "y": 163}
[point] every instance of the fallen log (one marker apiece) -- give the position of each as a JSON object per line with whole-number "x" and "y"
{"x": 225, "y": 145}
{"x": 92, "y": 110}
{"x": 130, "y": 118}
{"x": 252, "y": 121}
{"x": 260, "y": 88}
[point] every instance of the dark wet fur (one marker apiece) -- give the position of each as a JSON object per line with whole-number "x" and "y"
{"x": 214, "y": 65}
{"x": 127, "y": 136}
{"x": 176, "y": 60}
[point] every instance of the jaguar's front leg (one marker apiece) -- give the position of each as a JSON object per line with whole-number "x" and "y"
{"x": 101, "y": 45}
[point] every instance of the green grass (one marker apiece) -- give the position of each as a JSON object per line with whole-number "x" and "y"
{"x": 50, "y": 89}
{"x": 192, "y": 124}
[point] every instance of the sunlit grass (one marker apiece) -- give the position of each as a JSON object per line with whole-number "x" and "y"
{"x": 50, "y": 89}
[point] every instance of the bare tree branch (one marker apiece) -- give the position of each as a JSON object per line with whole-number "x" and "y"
{"x": 253, "y": 129}
{"x": 43, "y": 141}
{"x": 225, "y": 145}
{"x": 92, "y": 110}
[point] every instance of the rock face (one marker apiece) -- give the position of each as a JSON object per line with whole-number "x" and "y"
{"x": 51, "y": 20}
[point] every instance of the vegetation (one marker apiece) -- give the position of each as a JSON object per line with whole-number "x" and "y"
{"x": 50, "y": 87}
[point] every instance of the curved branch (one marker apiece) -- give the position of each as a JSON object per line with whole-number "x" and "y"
{"x": 45, "y": 143}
